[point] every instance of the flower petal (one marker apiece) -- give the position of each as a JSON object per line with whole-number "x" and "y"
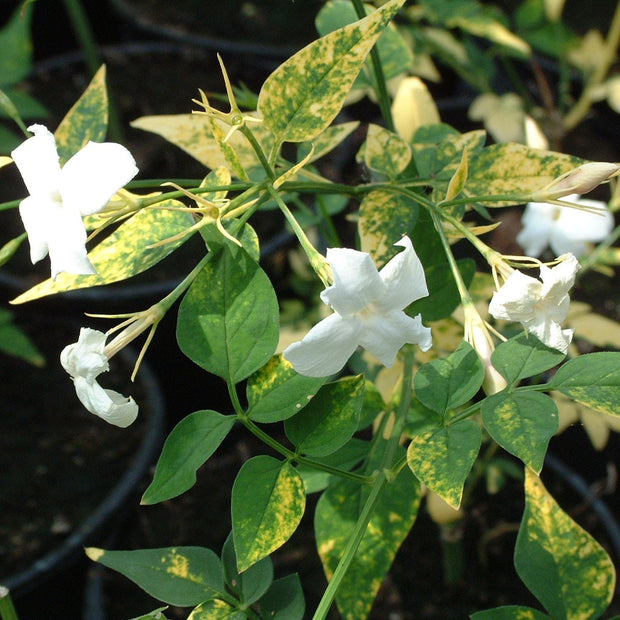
{"x": 537, "y": 224}
{"x": 549, "y": 332}
{"x": 356, "y": 281}
{"x": 326, "y": 348}
{"x": 94, "y": 174}
{"x": 85, "y": 358}
{"x": 38, "y": 214}
{"x": 558, "y": 280}
{"x": 404, "y": 279}
{"x": 109, "y": 405}
{"x": 384, "y": 335}
{"x": 517, "y": 299}
{"x": 574, "y": 228}
{"x": 38, "y": 162}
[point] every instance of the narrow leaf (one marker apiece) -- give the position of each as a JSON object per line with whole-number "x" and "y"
{"x": 183, "y": 576}
{"x": 306, "y": 92}
{"x": 268, "y": 501}
{"x": 563, "y": 566}
{"x": 190, "y": 444}
{"x": 86, "y": 120}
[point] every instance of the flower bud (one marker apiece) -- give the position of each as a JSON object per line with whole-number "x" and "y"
{"x": 580, "y": 180}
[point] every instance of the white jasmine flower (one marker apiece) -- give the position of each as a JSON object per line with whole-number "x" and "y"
{"x": 368, "y": 311}
{"x": 59, "y": 197}
{"x": 540, "y": 306}
{"x": 85, "y": 360}
{"x": 563, "y": 228}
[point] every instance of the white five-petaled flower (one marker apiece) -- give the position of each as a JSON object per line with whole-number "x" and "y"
{"x": 563, "y": 228}
{"x": 85, "y": 360}
{"x": 59, "y": 197}
{"x": 540, "y": 306}
{"x": 368, "y": 311}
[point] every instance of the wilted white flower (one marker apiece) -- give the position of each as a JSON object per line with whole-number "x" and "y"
{"x": 59, "y": 197}
{"x": 368, "y": 311}
{"x": 85, "y": 360}
{"x": 540, "y": 306}
{"x": 563, "y": 228}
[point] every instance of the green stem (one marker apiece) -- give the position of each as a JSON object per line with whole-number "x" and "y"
{"x": 584, "y": 103}
{"x": 87, "y": 40}
{"x": 382, "y": 478}
{"x": 167, "y": 302}
{"x": 382, "y": 94}
{"x": 592, "y": 258}
{"x": 452, "y": 553}
{"x": 351, "y": 548}
{"x": 7, "y": 609}
{"x": 259, "y": 152}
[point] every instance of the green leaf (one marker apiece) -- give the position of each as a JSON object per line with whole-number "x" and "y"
{"x": 335, "y": 517}
{"x": 561, "y": 564}
{"x": 125, "y": 253}
{"x": 394, "y": 52}
{"x": 86, "y": 120}
{"x": 522, "y": 357}
{"x": 512, "y": 168}
{"x": 190, "y": 444}
{"x": 522, "y": 423}
{"x": 16, "y": 46}
{"x": 446, "y": 383}
{"x": 268, "y": 501}
{"x": 306, "y": 92}
{"x": 284, "y": 600}
{"x": 592, "y": 379}
{"x": 442, "y": 458}
{"x": 384, "y": 218}
{"x": 384, "y": 151}
{"x": 329, "y": 420}
{"x": 216, "y": 609}
{"x": 276, "y": 392}
{"x": 183, "y": 576}
{"x": 228, "y": 319}
{"x": 193, "y": 133}
{"x": 251, "y": 584}
{"x": 14, "y": 341}
{"x": 509, "y": 612}
{"x": 156, "y": 614}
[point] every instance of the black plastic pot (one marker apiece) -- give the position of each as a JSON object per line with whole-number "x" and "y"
{"x": 49, "y": 586}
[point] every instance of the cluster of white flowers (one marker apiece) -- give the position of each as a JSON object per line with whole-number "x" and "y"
{"x": 369, "y": 305}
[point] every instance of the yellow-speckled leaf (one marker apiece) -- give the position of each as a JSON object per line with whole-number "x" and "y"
{"x": 593, "y": 380}
{"x": 522, "y": 423}
{"x": 268, "y": 501}
{"x": 441, "y": 458}
{"x": 124, "y": 253}
{"x": 5, "y": 161}
{"x": 509, "y": 612}
{"x": 183, "y": 576}
{"x": 327, "y": 140}
{"x": 86, "y": 120}
{"x": 384, "y": 151}
{"x": 563, "y": 566}
{"x": 193, "y": 134}
{"x": 384, "y": 218}
{"x": 306, "y": 92}
{"x": 336, "y": 514}
{"x": 216, "y": 609}
{"x": 219, "y": 132}
{"x": 457, "y": 182}
{"x": 514, "y": 169}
